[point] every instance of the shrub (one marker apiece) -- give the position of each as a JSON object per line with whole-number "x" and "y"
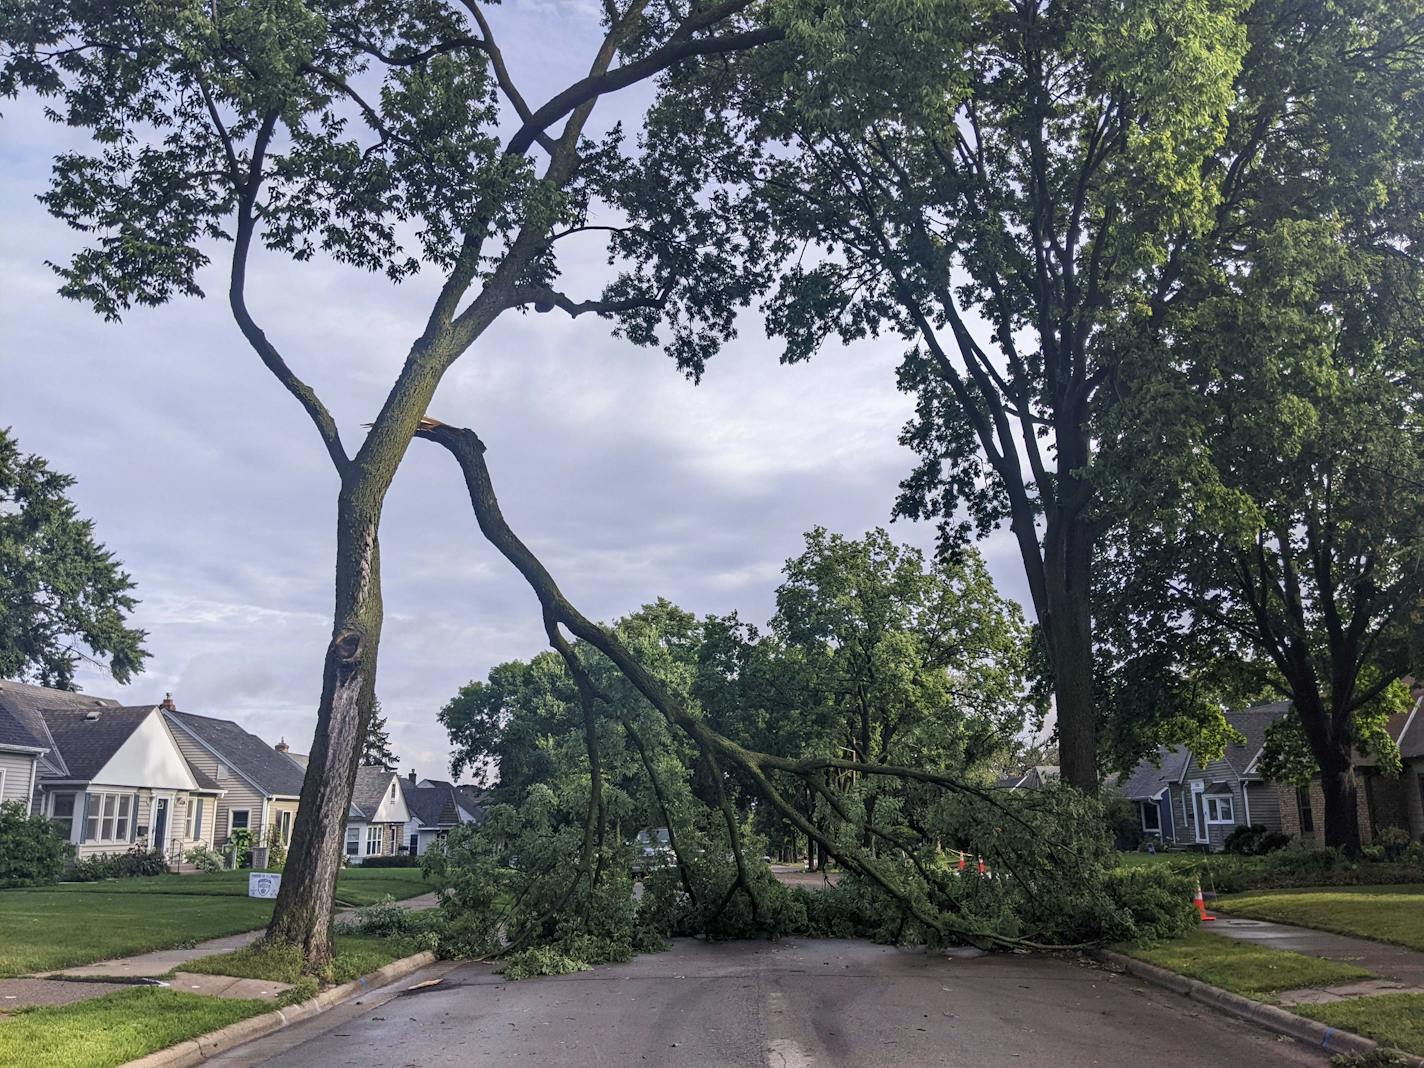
{"x": 203, "y": 858}
{"x": 1255, "y": 841}
{"x": 137, "y": 861}
{"x": 398, "y": 861}
{"x": 32, "y": 853}
{"x": 1394, "y": 841}
{"x": 238, "y": 848}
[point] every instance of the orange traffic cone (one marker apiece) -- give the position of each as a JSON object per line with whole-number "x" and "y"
{"x": 962, "y": 862}
{"x": 1200, "y": 903}
{"x": 982, "y": 870}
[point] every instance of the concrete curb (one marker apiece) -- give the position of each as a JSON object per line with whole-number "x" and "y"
{"x": 197, "y": 1050}
{"x": 1270, "y": 1017}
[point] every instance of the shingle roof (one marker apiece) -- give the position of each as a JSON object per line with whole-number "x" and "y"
{"x": 20, "y": 705}
{"x": 272, "y": 772}
{"x": 370, "y": 789}
{"x": 88, "y": 744}
{"x": 434, "y": 806}
{"x": 1252, "y": 723}
{"x": 1148, "y": 779}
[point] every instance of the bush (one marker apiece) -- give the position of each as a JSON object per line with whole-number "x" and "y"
{"x": 203, "y": 858}
{"x": 238, "y": 848}
{"x": 398, "y": 861}
{"x": 32, "y": 853}
{"x": 1255, "y": 841}
{"x": 1394, "y": 841}
{"x": 136, "y": 862}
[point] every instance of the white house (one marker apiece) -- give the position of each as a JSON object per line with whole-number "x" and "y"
{"x": 436, "y": 808}
{"x": 376, "y": 822}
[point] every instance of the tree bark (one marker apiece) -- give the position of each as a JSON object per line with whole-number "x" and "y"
{"x": 304, "y": 903}
{"x": 1067, "y": 622}
{"x": 1342, "y": 822}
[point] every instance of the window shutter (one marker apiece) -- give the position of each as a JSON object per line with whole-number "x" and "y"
{"x": 133, "y": 822}
{"x": 84, "y": 823}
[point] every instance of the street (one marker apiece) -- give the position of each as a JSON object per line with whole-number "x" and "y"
{"x": 778, "y": 1005}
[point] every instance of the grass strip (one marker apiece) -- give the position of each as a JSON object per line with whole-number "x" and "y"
{"x": 1392, "y": 1019}
{"x": 1242, "y": 967}
{"x": 115, "y": 1028}
{"x": 1393, "y": 914}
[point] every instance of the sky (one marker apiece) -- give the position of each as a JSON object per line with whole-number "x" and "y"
{"x": 207, "y": 480}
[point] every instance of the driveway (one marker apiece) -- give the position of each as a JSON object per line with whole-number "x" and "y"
{"x": 784, "y": 1005}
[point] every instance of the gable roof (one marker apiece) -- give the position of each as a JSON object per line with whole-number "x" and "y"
{"x": 433, "y": 806}
{"x": 1154, "y": 774}
{"x": 1252, "y": 723}
{"x": 89, "y": 737}
{"x": 274, "y": 773}
{"x": 20, "y": 718}
{"x": 372, "y": 783}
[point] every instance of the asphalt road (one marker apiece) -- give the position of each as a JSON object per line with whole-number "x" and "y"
{"x": 785, "y": 1005}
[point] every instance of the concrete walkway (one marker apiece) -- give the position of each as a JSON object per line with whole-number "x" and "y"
{"x": 1398, "y": 969}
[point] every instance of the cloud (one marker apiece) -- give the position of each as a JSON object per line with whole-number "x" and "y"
{"x": 206, "y": 479}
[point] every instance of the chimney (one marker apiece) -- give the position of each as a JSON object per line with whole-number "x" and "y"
{"x": 411, "y": 775}
{"x": 282, "y": 746}
{"x": 167, "y": 703}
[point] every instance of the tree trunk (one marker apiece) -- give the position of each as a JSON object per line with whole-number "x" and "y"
{"x": 1068, "y": 630}
{"x": 1342, "y": 821}
{"x": 303, "y": 911}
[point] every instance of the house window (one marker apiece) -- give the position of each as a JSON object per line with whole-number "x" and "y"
{"x": 353, "y": 841}
{"x": 61, "y": 811}
{"x": 1220, "y": 809}
{"x": 238, "y": 819}
{"x": 1307, "y": 818}
{"x": 109, "y": 816}
{"x": 393, "y": 789}
{"x": 373, "y": 839}
{"x": 1151, "y": 817}
{"x": 284, "y": 827}
{"x": 195, "y": 819}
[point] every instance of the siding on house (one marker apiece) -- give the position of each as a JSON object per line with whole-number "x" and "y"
{"x": 1265, "y": 805}
{"x": 17, "y": 771}
{"x": 239, "y": 794}
{"x": 1414, "y": 796}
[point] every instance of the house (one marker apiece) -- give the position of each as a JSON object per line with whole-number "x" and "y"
{"x": 24, "y": 743}
{"x": 261, "y": 784}
{"x": 436, "y": 808}
{"x": 112, "y": 776}
{"x": 1183, "y": 801}
{"x": 1031, "y": 778}
{"x": 376, "y": 822}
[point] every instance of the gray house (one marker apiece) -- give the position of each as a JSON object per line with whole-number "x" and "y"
{"x": 376, "y": 822}
{"x": 436, "y": 808}
{"x": 1181, "y": 800}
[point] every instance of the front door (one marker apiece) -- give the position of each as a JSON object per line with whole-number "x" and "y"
{"x": 1199, "y": 811}
{"x": 160, "y": 824}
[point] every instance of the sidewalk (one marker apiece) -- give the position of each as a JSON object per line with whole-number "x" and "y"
{"x": 1399, "y": 969}
{"x": 61, "y": 988}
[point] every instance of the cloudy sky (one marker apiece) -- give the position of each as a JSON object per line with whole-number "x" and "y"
{"x": 207, "y": 480}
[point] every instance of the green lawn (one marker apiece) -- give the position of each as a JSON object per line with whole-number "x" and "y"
{"x": 79, "y": 923}
{"x": 1144, "y": 860}
{"x": 44, "y": 930}
{"x": 1394, "y": 1019}
{"x": 115, "y": 1028}
{"x": 1247, "y": 969}
{"x": 354, "y": 886}
{"x": 1382, "y": 913}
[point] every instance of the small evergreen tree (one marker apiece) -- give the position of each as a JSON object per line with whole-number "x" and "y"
{"x": 376, "y": 749}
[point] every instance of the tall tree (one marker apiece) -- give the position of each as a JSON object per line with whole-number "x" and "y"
{"x": 1293, "y": 548}
{"x": 1022, "y": 191}
{"x": 63, "y": 597}
{"x": 376, "y": 749}
{"x": 378, "y": 135}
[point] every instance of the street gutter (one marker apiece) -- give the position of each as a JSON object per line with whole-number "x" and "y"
{"x": 197, "y": 1050}
{"x": 1271, "y": 1017}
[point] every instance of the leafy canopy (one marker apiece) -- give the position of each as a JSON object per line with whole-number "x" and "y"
{"x": 64, "y": 598}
